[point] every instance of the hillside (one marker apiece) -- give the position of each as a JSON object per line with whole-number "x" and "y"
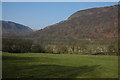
{"x": 96, "y": 23}
{"x": 14, "y": 29}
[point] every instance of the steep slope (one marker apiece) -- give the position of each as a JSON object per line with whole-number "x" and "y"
{"x": 95, "y": 23}
{"x": 14, "y": 29}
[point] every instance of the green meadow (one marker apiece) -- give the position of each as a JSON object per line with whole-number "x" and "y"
{"x": 43, "y": 65}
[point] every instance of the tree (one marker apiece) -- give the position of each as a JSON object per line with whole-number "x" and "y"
{"x": 37, "y": 48}
{"x": 16, "y": 44}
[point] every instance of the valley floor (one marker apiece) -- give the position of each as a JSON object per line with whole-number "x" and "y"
{"x": 43, "y": 65}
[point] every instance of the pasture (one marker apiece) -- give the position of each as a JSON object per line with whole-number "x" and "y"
{"x": 43, "y": 65}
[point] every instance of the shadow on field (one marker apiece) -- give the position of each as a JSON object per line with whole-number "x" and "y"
{"x": 31, "y": 59}
{"x": 13, "y": 68}
{"x": 15, "y": 58}
{"x": 55, "y": 71}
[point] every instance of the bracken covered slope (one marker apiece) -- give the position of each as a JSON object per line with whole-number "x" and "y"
{"x": 95, "y": 23}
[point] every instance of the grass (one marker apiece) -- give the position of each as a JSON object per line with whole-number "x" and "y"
{"x": 43, "y": 65}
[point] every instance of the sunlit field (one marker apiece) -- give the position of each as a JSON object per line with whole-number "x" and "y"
{"x": 43, "y": 65}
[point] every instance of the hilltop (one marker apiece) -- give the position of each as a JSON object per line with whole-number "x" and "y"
{"x": 14, "y": 29}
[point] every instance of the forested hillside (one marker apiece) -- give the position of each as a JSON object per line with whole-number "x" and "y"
{"x": 86, "y": 31}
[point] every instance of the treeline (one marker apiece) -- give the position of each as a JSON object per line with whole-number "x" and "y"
{"x": 23, "y": 45}
{"x": 16, "y": 44}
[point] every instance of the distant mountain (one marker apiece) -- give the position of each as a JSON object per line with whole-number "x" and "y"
{"x": 96, "y": 23}
{"x": 14, "y": 29}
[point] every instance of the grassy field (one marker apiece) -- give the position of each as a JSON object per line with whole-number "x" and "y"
{"x": 43, "y": 65}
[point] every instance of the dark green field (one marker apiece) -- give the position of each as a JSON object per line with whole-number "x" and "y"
{"x": 43, "y": 65}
